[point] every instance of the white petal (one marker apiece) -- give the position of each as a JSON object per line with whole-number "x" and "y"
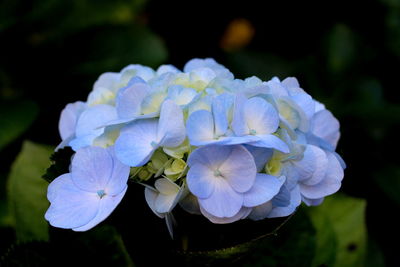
{"x": 68, "y": 119}
{"x": 264, "y": 189}
{"x": 137, "y": 142}
{"x": 106, "y": 207}
{"x": 91, "y": 168}
{"x": 166, "y": 187}
{"x": 151, "y": 196}
{"x": 200, "y": 127}
{"x": 171, "y": 128}
{"x": 224, "y": 201}
{"x": 129, "y": 100}
{"x": 164, "y": 203}
{"x": 243, "y": 213}
{"x": 200, "y": 180}
{"x": 72, "y": 207}
{"x": 290, "y": 82}
{"x": 239, "y": 169}
{"x": 260, "y": 116}
{"x": 190, "y": 204}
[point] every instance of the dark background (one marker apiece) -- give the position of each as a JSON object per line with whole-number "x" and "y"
{"x": 344, "y": 53}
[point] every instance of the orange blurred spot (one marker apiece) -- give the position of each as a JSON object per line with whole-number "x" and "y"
{"x": 238, "y": 34}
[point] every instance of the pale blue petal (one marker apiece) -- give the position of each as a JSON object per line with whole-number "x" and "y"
{"x": 306, "y": 103}
{"x": 150, "y": 195}
{"x": 137, "y": 142}
{"x": 239, "y": 169}
{"x": 340, "y": 159}
{"x": 129, "y": 100}
{"x": 182, "y": 96}
{"x": 72, "y": 207}
{"x": 224, "y": 201}
{"x": 167, "y": 69}
{"x": 329, "y": 185}
{"x": 260, "y": 116}
{"x": 313, "y": 166}
{"x": 200, "y": 180}
{"x": 133, "y": 70}
{"x": 83, "y": 141}
{"x": 107, "y": 80}
{"x": 200, "y": 127}
{"x": 282, "y": 199}
{"x": 94, "y": 117}
{"x": 211, "y": 156}
{"x": 295, "y": 201}
{"x": 261, "y": 155}
{"x": 239, "y": 125}
{"x": 69, "y": 118}
{"x": 91, "y": 168}
{"x": 264, "y": 189}
{"x": 221, "y": 106}
{"x": 291, "y": 82}
{"x": 312, "y": 202}
{"x": 106, "y": 207}
{"x": 324, "y": 125}
{"x": 119, "y": 175}
{"x": 271, "y": 141}
{"x": 260, "y": 212}
{"x": 243, "y": 213}
{"x": 197, "y": 63}
{"x": 171, "y": 128}
{"x": 56, "y": 184}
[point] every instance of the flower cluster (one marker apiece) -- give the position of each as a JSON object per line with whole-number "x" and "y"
{"x": 225, "y": 148}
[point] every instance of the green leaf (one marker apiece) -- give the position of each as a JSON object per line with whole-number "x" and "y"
{"x": 341, "y": 230}
{"x": 27, "y": 192}
{"x": 15, "y": 119}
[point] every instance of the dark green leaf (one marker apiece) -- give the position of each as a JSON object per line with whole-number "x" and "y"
{"x": 15, "y": 118}
{"x": 346, "y": 217}
{"x": 27, "y": 192}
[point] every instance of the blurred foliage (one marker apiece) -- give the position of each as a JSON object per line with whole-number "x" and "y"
{"x": 15, "y": 118}
{"x": 341, "y": 231}
{"x": 60, "y": 161}
{"x": 27, "y": 192}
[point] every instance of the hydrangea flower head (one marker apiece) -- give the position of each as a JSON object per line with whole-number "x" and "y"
{"x": 224, "y": 148}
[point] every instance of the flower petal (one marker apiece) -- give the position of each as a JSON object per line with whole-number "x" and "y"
{"x": 261, "y": 155}
{"x": 239, "y": 125}
{"x": 166, "y": 187}
{"x": 312, "y": 167}
{"x": 200, "y": 127}
{"x": 264, "y": 189}
{"x": 326, "y": 126}
{"x": 137, "y": 142}
{"x": 129, "y": 100}
{"x": 200, "y": 180}
{"x": 260, "y": 212}
{"x": 224, "y": 201}
{"x": 91, "y": 168}
{"x": 71, "y": 207}
{"x": 243, "y": 213}
{"x": 211, "y": 156}
{"x": 260, "y": 116}
{"x": 68, "y": 119}
{"x": 271, "y": 141}
{"x": 329, "y": 185}
{"x": 239, "y": 169}
{"x": 106, "y": 207}
{"x": 150, "y": 195}
{"x": 119, "y": 175}
{"x": 295, "y": 201}
{"x": 171, "y": 128}
{"x": 220, "y": 109}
